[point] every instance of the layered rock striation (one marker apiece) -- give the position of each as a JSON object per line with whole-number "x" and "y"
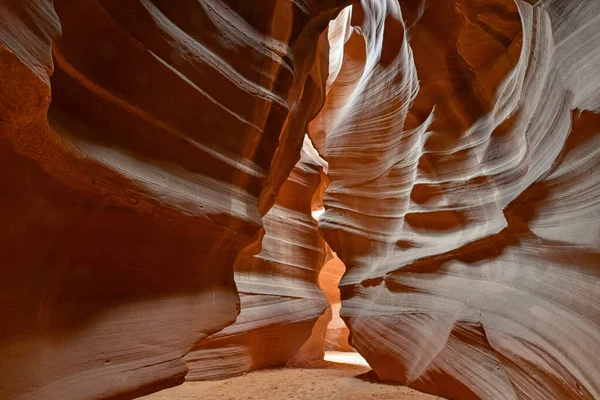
{"x": 462, "y": 142}
{"x": 141, "y": 142}
{"x": 149, "y": 193}
{"x": 280, "y": 297}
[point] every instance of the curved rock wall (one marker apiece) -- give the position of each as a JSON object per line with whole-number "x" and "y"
{"x": 144, "y": 140}
{"x": 280, "y": 298}
{"x": 462, "y": 144}
{"x": 134, "y": 175}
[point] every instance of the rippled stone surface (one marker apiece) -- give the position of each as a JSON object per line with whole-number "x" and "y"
{"x": 280, "y": 298}
{"x": 141, "y": 142}
{"x": 145, "y": 142}
{"x": 462, "y": 142}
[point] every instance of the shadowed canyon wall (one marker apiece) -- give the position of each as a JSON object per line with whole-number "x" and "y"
{"x": 280, "y": 298}
{"x": 462, "y": 142}
{"x": 157, "y": 189}
{"x": 141, "y": 141}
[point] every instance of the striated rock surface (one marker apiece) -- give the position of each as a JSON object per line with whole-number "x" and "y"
{"x": 462, "y": 142}
{"x": 280, "y": 298}
{"x": 144, "y": 143}
{"x": 141, "y": 141}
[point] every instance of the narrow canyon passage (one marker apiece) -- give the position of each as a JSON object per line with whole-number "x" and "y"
{"x": 337, "y": 335}
{"x": 347, "y": 199}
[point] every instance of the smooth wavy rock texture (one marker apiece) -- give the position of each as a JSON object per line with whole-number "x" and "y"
{"x": 462, "y": 142}
{"x": 141, "y": 142}
{"x": 280, "y": 298}
{"x": 155, "y": 190}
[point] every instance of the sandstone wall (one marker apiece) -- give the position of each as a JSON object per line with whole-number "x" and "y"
{"x": 462, "y": 142}
{"x": 280, "y": 297}
{"x": 141, "y": 142}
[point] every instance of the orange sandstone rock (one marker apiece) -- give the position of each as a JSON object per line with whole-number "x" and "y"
{"x": 141, "y": 142}
{"x": 462, "y": 145}
{"x": 280, "y": 298}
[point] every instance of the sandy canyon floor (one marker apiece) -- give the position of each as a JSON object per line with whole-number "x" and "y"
{"x": 345, "y": 376}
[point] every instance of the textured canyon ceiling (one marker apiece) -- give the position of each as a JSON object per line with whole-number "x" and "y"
{"x": 158, "y": 184}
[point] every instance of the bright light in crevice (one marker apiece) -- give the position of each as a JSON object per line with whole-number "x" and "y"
{"x": 316, "y": 214}
{"x": 345, "y": 358}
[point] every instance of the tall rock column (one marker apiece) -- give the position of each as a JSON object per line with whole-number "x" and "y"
{"x": 462, "y": 142}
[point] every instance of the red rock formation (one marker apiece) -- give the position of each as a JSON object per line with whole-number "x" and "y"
{"x": 143, "y": 141}
{"x": 280, "y": 298}
{"x": 464, "y": 194}
{"x": 336, "y": 337}
{"x": 135, "y": 174}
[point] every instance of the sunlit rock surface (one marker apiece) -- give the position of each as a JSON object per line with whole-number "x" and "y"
{"x": 462, "y": 144}
{"x": 280, "y": 297}
{"x": 144, "y": 143}
{"x": 141, "y": 141}
{"x": 336, "y": 336}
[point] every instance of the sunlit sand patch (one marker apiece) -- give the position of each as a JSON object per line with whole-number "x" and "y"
{"x": 345, "y": 358}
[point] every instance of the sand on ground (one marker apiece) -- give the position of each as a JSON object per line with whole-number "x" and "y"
{"x": 350, "y": 380}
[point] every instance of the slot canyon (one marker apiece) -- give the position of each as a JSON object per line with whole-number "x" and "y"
{"x": 300, "y": 199}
